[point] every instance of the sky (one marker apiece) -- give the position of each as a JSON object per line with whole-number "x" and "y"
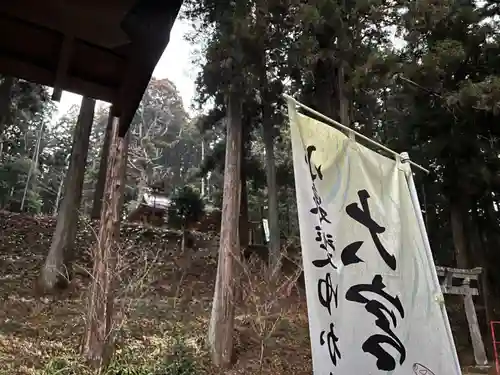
{"x": 175, "y": 64}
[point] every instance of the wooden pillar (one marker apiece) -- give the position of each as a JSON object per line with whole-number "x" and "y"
{"x": 220, "y": 334}
{"x": 56, "y": 268}
{"x": 475, "y": 332}
{"x": 103, "y": 164}
{"x": 99, "y": 338}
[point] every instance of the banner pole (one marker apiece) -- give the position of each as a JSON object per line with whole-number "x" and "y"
{"x": 344, "y": 127}
{"x": 420, "y": 219}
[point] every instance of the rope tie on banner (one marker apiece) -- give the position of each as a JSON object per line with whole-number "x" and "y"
{"x": 348, "y": 129}
{"x": 399, "y": 161}
{"x": 405, "y": 157}
{"x": 352, "y": 135}
{"x": 439, "y": 297}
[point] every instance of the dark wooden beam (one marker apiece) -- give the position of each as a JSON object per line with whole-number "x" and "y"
{"x": 148, "y": 26}
{"x": 31, "y": 72}
{"x": 104, "y": 69}
{"x": 92, "y": 71}
{"x": 131, "y": 92}
{"x": 93, "y": 21}
{"x": 150, "y": 22}
{"x": 62, "y": 67}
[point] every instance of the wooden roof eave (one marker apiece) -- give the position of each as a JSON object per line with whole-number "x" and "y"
{"x": 116, "y": 74}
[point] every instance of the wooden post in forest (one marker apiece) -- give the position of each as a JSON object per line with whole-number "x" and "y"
{"x": 55, "y": 270}
{"x": 99, "y": 337}
{"x": 220, "y": 335}
{"x": 463, "y": 278}
{"x": 103, "y": 164}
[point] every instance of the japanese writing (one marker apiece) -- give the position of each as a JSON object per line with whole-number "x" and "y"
{"x": 362, "y": 216}
{"x": 372, "y": 345}
{"x": 386, "y": 313}
{"x": 357, "y": 293}
{"x": 327, "y": 292}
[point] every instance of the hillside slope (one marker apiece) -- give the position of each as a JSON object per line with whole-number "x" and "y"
{"x": 164, "y": 299}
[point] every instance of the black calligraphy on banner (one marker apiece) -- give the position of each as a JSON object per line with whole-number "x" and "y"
{"x": 348, "y": 254}
{"x": 385, "y": 317}
{"x": 326, "y": 244}
{"x": 373, "y": 344}
{"x": 331, "y": 340}
{"x": 327, "y": 292}
{"x": 362, "y": 216}
{"x": 315, "y": 172}
{"x": 325, "y": 240}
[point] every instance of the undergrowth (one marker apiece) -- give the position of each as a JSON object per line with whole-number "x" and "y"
{"x": 179, "y": 361}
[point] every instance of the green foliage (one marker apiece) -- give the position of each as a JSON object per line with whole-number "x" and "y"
{"x": 13, "y": 177}
{"x": 445, "y": 112}
{"x": 436, "y": 95}
{"x": 186, "y": 208}
{"x": 179, "y": 362}
{"x": 63, "y": 366}
{"x": 29, "y": 112}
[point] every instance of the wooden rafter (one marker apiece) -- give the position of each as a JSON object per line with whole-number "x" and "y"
{"x": 104, "y": 49}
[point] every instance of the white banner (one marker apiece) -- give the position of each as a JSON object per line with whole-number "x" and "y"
{"x": 374, "y": 302}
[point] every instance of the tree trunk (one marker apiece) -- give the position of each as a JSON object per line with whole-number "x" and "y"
{"x": 58, "y": 198}
{"x": 56, "y": 270}
{"x": 60, "y": 189}
{"x": 220, "y": 334}
{"x": 272, "y": 196}
{"x": 324, "y": 76}
{"x": 141, "y": 188}
{"x": 123, "y": 172}
{"x": 183, "y": 239}
{"x": 478, "y": 247}
{"x": 268, "y": 136}
{"x": 33, "y": 165}
{"x": 475, "y": 243}
{"x": 202, "y": 161}
{"x": 243, "y": 227}
{"x": 459, "y": 238}
{"x": 99, "y": 338}
{"x": 243, "y": 224}
{"x": 344, "y": 41}
{"x": 343, "y": 100}
{"x": 103, "y": 164}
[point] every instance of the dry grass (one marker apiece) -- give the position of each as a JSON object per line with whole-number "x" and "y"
{"x": 164, "y": 308}
{"x": 158, "y": 314}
